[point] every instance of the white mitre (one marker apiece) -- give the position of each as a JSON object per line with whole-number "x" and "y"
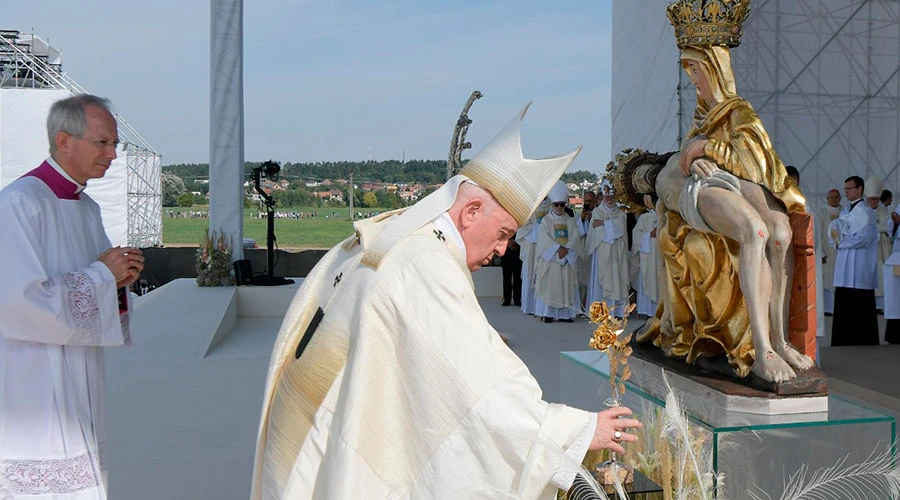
{"x": 518, "y": 183}
{"x": 874, "y": 187}
{"x": 559, "y": 192}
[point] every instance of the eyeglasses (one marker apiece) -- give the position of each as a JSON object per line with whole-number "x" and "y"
{"x": 104, "y": 143}
{"x": 560, "y": 204}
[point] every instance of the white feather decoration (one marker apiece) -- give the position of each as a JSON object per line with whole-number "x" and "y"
{"x": 677, "y": 432}
{"x": 874, "y": 479}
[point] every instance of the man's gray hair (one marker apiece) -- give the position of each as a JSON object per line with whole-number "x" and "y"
{"x": 67, "y": 115}
{"x": 468, "y": 190}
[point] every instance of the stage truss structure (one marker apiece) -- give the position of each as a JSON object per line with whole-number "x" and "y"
{"x": 28, "y": 62}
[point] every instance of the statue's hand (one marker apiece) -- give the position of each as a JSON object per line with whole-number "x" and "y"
{"x": 691, "y": 152}
{"x": 702, "y": 167}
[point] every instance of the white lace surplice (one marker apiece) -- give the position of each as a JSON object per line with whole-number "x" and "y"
{"x": 58, "y": 306}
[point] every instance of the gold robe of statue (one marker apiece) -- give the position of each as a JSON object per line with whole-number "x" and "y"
{"x": 703, "y": 310}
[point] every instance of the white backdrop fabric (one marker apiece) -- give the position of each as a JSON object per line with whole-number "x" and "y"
{"x": 23, "y": 146}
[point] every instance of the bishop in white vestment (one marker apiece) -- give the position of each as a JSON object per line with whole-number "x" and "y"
{"x": 826, "y": 250}
{"x": 527, "y": 237}
{"x": 644, "y": 251}
{"x": 584, "y": 259}
{"x": 608, "y": 244}
{"x": 387, "y": 381}
{"x": 873, "y": 189}
{"x": 559, "y": 243}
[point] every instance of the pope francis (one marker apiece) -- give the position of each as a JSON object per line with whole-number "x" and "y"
{"x": 386, "y": 380}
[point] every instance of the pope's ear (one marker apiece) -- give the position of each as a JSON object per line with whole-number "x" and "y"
{"x": 470, "y": 212}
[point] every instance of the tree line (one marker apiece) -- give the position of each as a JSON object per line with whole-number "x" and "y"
{"x": 388, "y": 171}
{"x": 180, "y": 180}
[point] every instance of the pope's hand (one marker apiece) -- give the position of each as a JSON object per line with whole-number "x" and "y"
{"x": 562, "y": 252}
{"x": 597, "y": 223}
{"x": 608, "y": 423}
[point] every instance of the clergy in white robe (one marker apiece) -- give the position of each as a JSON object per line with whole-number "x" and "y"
{"x": 873, "y": 189}
{"x": 527, "y": 237}
{"x": 62, "y": 299}
{"x": 855, "y": 272}
{"x": 386, "y": 380}
{"x": 644, "y": 252}
{"x": 891, "y": 274}
{"x": 559, "y": 243}
{"x": 826, "y": 248}
{"x": 608, "y": 244}
{"x": 583, "y": 266}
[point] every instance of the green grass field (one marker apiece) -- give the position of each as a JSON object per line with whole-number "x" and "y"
{"x": 319, "y": 232}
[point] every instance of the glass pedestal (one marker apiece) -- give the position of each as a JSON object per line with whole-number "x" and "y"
{"x": 753, "y": 452}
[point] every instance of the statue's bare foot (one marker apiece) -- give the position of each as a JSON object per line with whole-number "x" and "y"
{"x": 793, "y": 356}
{"x": 772, "y": 367}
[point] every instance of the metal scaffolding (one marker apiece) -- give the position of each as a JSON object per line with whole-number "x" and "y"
{"x": 28, "y": 62}
{"x": 824, "y": 77}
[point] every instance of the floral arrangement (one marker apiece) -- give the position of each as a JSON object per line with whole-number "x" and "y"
{"x": 608, "y": 337}
{"x": 214, "y": 260}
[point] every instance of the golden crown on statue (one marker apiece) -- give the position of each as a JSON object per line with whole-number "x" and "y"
{"x": 704, "y": 23}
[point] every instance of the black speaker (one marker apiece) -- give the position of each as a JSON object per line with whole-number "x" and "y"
{"x": 243, "y": 272}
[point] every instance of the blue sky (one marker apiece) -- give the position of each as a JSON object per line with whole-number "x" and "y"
{"x": 332, "y": 80}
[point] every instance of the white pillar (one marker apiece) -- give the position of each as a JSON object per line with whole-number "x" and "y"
{"x": 226, "y": 121}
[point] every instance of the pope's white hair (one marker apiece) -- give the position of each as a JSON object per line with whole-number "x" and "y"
{"x": 469, "y": 191}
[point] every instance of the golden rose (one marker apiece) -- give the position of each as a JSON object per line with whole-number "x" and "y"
{"x": 599, "y": 311}
{"x": 603, "y": 338}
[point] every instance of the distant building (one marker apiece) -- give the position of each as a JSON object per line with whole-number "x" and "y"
{"x": 331, "y": 195}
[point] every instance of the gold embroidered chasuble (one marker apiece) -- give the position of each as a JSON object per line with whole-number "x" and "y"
{"x": 556, "y": 280}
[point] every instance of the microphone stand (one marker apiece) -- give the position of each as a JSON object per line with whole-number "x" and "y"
{"x": 270, "y": 279}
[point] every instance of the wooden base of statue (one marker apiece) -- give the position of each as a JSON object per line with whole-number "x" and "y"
{"x": 802, "y": 323}
{"x": 607, "y": 472}
{"x": 716, "y": 373}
